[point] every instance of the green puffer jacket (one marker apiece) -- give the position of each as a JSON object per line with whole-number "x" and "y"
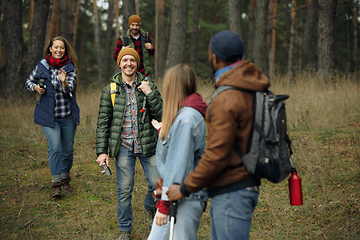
{"x": 111, "y": 118}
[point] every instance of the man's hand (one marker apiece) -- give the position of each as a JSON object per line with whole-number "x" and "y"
{"x": 103, "y": 158}
{"x": 174, "y": 193}
{"x": 161, "y": 219}
{"x": 144, "y": 87}
{"x": 149, "y": 46}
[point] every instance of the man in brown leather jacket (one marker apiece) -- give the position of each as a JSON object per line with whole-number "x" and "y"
{"x": 234, "y": 191}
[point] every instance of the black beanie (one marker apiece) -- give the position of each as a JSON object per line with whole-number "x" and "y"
{"x": 226, "y": 44}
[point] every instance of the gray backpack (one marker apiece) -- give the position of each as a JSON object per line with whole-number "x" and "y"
{"x": 269, "y": 148}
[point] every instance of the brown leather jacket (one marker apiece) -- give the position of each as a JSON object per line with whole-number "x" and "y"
{"x": 231, "y": 115}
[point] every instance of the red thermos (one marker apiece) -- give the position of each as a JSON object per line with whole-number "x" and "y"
{"x": 295, "y": 189}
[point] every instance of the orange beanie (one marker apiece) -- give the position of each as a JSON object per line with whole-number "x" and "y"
{"x": 134, "y": 19}
{"x": 128, "y": 51}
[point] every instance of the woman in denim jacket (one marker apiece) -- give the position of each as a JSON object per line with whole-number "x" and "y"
{"x": 180, "y": 146}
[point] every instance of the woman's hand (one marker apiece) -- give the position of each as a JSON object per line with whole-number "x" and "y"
{"x": 157, "y": 125}
{"x": 39, "y": 89}
{"x": 62, "y": 77}
{"x": 161, "y": 219}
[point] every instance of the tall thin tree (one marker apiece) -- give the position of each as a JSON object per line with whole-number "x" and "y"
{"x": 259, "y": 49}
{"x": 326, "y": 42}
{"x": 195, "y": 34}
{"x": 176, "y": 48}
{"x": 355, "y": 18}
{"x": 251, "y": 32}
{"x": 128, "y": 10}
{"x": 108, "y": 62}
{"x": 272, "y": 52}
{"x": 160, "y": 39}
{"x": 234, "y": 9}
{"x": 309, "y": 46}
{"x": 291, "y": 42}
{"x": 97, "y": 43}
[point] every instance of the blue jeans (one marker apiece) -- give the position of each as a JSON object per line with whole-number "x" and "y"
{"x": 60, "y": 147}
{"x": 187, "y": 223}
{"x": 231, "y": 214}
{"x": 125, "y": 171}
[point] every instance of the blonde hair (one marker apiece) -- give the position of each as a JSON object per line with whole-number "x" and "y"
{"x": 69, "y": 52}
{"x": 179, "y": 82}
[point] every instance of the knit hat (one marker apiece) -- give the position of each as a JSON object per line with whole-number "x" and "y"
{"x": 134, "y": 19}
{"x": 226, "y": 44}
{"x": 128, "y": 51}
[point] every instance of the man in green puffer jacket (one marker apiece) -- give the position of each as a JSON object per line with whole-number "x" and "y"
{"x": 124, "y": 132}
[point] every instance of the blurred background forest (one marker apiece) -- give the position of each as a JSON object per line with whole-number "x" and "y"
{"x": 282, "y": 37}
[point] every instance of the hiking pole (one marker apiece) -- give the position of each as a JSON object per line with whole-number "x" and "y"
{"x": 172, "y": 214}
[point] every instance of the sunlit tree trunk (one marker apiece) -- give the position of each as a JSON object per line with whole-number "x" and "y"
{"x": 31, "y": 16}
{"x": 97, "y": 43}
{"x": 234, "y": 8}
{"x": 291, "y": 43}
{"x": 177, "y": 41}
{"x": 326, "y": 42}
{"x": 259, "y": 49}
{"x": 195, "y": 33}
{"x": 272, "y": 52}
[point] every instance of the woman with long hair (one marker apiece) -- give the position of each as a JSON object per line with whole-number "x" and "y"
{"x": 180, "y": 146}
{"x": 54, "y": 78}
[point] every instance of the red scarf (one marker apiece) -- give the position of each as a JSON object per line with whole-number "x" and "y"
{"x": 56, "y": 63}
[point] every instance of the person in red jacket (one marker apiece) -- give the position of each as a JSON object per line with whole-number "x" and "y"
{"x": 233, "y": 190}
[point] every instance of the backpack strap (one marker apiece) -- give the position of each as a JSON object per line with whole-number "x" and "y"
{"x": 218, "y": 91}
{"x": 112, "y": 92}
{"x": 126, "y": 40}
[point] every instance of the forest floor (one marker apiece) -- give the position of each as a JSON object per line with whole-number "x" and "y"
{"x": 326, "y": 142}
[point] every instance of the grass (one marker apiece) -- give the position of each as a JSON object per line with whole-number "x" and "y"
{"x": 323, "y": 124}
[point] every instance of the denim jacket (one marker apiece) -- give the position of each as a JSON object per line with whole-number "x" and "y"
{"x": 181, "y": 150}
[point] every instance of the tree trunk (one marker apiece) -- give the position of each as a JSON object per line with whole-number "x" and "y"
{"x": 195, "y": 33}
{"x": 37, "y": 36}
{"x": 259, "y": 49}
{"x": 67, "y": 10}
{"x": 14, "y": 45}
{"x": 81, "y": 59}
{"x": 234, "y": 7}
{"x": 309, "y": 48}
{"x": 355, "y": 17}
{"x": 273, "y": 8}
{"x": 326, "y": 43}
{"x": 291, "y": 43}
{"x": 54, "y": 26}
{"x": 97, "y": 43}
{"x": 176, "y": 48}
{"x": 76, "y": 22}
{"x": 128, "y": 10}
{"x": 31, "y": 16}
{"x": 251, "y": 35}
{"x": 117, "y": 30}
{"x": 108, "y": 62}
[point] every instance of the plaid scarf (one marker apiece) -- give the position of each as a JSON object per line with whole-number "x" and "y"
{"x": 56, "y": 63}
